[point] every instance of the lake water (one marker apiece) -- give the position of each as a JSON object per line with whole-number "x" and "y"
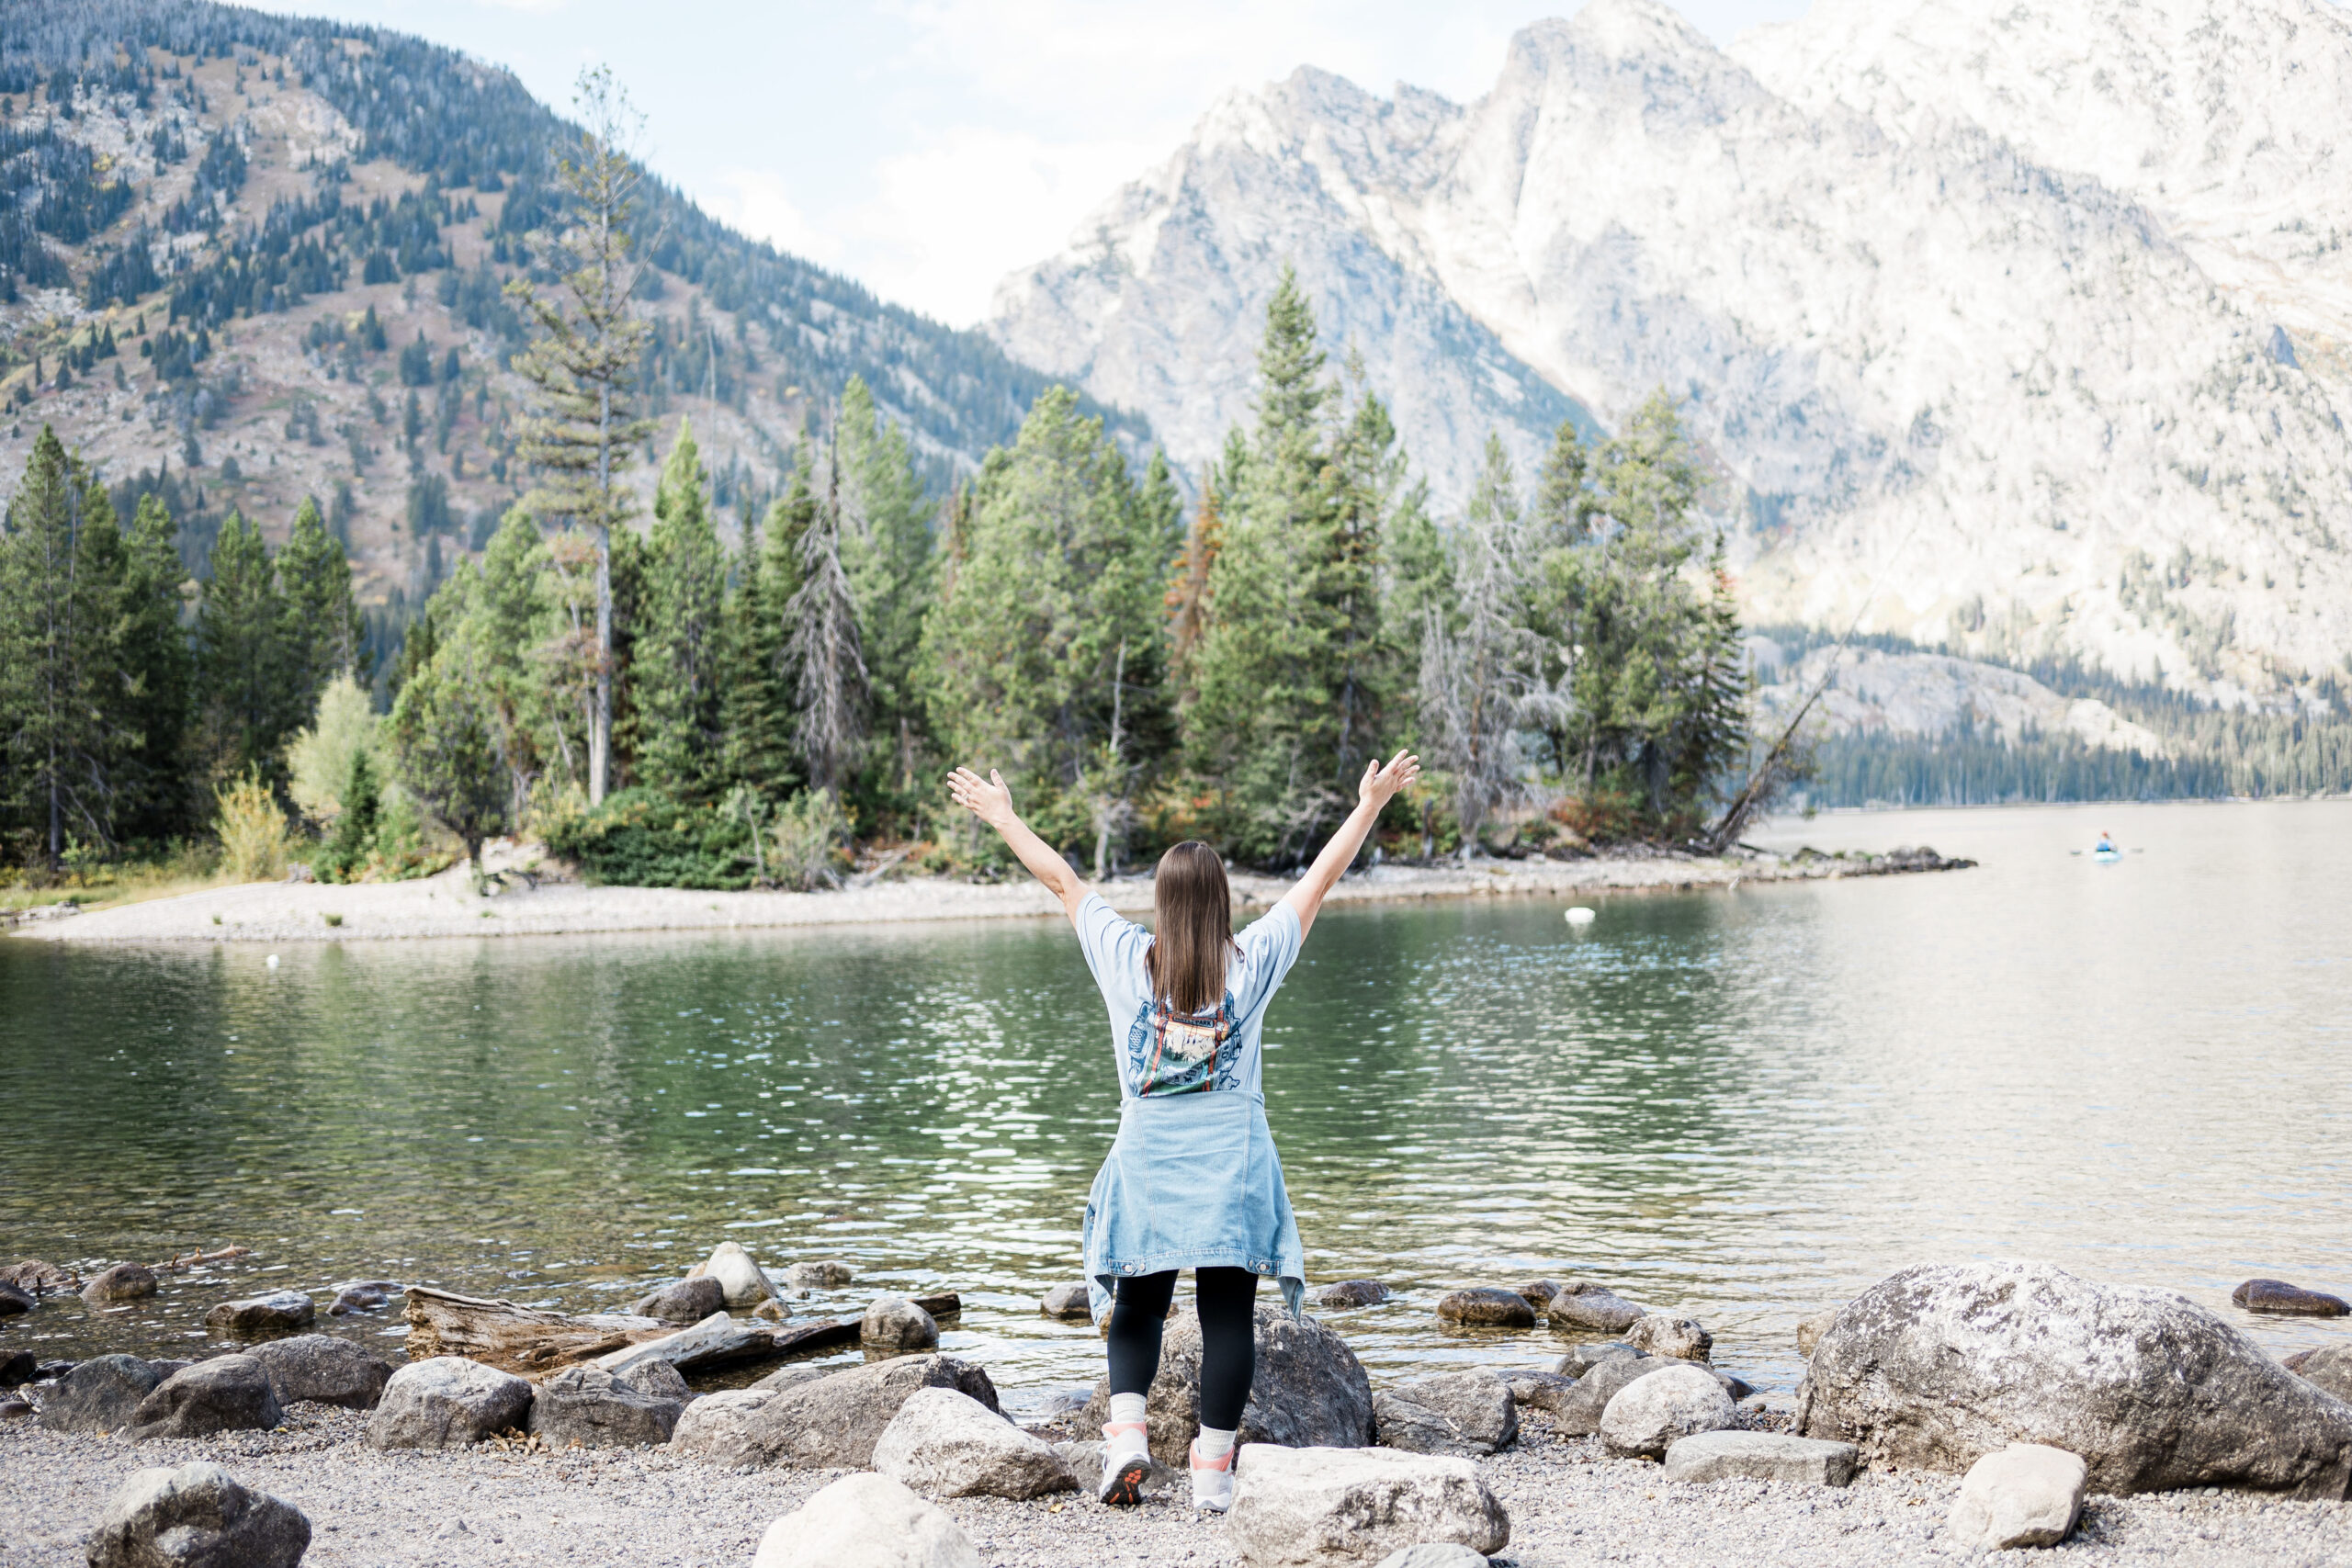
{"x": 1739, "y": 1107}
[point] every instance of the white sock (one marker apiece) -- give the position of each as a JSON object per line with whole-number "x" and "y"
{"x": 1127, "y": 1411}
{"x": 1216, "y": 1443}
{"x": 1125, "y": 1407}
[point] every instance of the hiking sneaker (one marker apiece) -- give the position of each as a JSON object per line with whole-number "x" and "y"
{"x": 1212, "y": 1480}
{"x": 1123, "y": 1470}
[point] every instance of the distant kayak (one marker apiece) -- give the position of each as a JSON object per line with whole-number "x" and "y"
{"x": 2106, "y": 854}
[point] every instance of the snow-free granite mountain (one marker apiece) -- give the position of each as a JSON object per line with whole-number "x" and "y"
{"x": 2025, "y": 324}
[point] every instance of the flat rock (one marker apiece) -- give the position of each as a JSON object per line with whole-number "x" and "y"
{"x": 1067, "y": 1304}
{"x": 1761, "y": 1456}
{"x": 743, "y": 1281}
{"x": 363, "y": 1295}
{"x": 1434, "y": 1554}
{"x": 2025, "y": 1494}
{"x": 823, "y": 1274}
{"x": 227, "y": 1394}
{"x": 682, "y": 1300}
{"x": 324, "y": 1370}
{"x": 1309, "y": 1391}
{"x": 1352, "y": 1293}
{"x": 1541, "y": 1390}
{"x": 447, "y": 1401}
{"x": 195, "y": 1517}
{"x": 944, "y": 1443}
{"x": 2289, "y": 1300}
{"x": 123, "y": 1282}
{"x": 1578, "y": 1413}
{"x": 1470, "y": 1413}
{"x": 16, "y": 1301}
{"x": 2330, "y": 1366}
{"x": 1485, "y": 1307}
{"x": 1310, "y": 1507}
{"x": 867, "y": 1521}
{"x": 591, "y": 1408}
{"x": 279, "y": 1311}
{"x": 1811, "y": 1329}
{"x": 1941, "y": 1364}
{"x": 834, "y": 1422}
{"x": 1583, "y": 1304}
{"x": 1680, "y": 1337}
{"x": 1649, "y": 1414}
{"x": 895, "y": 1325}
{"x": 99, "y": 1396}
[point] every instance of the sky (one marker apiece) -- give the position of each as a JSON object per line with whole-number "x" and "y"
{"x": 927, "y": 148}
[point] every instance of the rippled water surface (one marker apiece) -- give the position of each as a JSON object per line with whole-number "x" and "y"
{"x": 1736, "y": 1106}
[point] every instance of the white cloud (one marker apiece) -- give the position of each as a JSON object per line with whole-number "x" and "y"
{"x": 756, "y": 201}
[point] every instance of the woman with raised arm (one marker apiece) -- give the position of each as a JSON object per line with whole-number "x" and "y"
{"x": 1193, "y": 1180}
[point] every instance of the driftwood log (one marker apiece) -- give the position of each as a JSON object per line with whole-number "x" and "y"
{"x": 519, "y": 1340}
{"x": 715, "y": 1341}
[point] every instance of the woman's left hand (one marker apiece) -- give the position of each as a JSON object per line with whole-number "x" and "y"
{"x": 1380, "y": 784}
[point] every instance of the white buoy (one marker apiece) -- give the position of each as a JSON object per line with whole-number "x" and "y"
{"x": 1580, "y": 916}
{"x": 273, "y": 961}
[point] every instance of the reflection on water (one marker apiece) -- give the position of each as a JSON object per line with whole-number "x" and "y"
{"x": 1739, "y": 1107}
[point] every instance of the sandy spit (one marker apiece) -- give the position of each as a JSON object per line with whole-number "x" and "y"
{"x": 1569, "y": 1506}
{"x": 447, "y": 906}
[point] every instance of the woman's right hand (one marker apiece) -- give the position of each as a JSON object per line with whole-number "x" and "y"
{"x": 986, "y": 798}
{"x": 1381, "y": 784}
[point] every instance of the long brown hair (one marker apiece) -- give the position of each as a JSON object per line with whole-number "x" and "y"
{"x": 1186, "y": 958}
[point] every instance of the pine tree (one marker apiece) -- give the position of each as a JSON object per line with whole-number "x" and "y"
{"x": 886, "y": 545}
{"x": 323, "y": 627}
{"x": 676, "y": 665}
{"x": 241, "y": 657}
{"x": 156, "y": 674}
{"x": 445, "y": 731}
{"x": 823, "y": 652}
{"x": 759, "y": 695}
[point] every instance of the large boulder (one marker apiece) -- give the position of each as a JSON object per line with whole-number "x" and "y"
{"x": 832, "y": 1422}
{"x": 2027, "y": 1494}
{"x": 2329, "y": 1367}
{"x": 324, "y": 1370}
{"x": 123, "y": 1282}
{"x": 1468, "y": 1413}
{"x": 227, "y": 1394}
{"x": 658, "y": 1379}
{"x": 1680, "y": 1337}
{"x": 682, "y": 1300}
{"x": 1942, "y": 1364}
{"x": 867, "y": 1521}
{"x": 1649, "y": 1414}
{"x": 1485, "y": 1307}
{"x": 948, "y": 1444}
{"x": 256, "y": 1318}
{"x": 195, "y": 1517}
{"x": 1577, "y": 1411}
{"x": 1583, "y": 1304}
{"x": 1309, "y": 1391}
{"x": 895, "y": 1325}
{"x": 99, "y": 1396}
{"x": 2289, "y": 1300}
{"x": 1316, "y": 1507}
{"x": 593, "y": 1409}
{"x": 718, "y": 1425}
{"x": 447, "y": 1401}
{"x": 1761, "y": 1456}
{"x": 741, "y": 1278}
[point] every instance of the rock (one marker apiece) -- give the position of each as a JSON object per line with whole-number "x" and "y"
{"x": 2330, "y": 1366}
{"x": 1310, "y": 1507}
{"x": 15, "y": 1303}
{"x": 1680, "y": 1337}
{"x": 658, "y": 1379}
{"x": 895, "y": 1325}
{"x": 362, "y": 1295}
{"x": 123, "y": 1282}
{"x": 99, "y": 1396}
{"x": 2291, "y": 1301}
{"x": 1649, "y": 1414}
{"x": 447, "y": 1401}
{"x": 715, "y": 1341}
{"x": 831, "y": 1421}
{"x": 1434, "y": 1554}
{"x": 1485, "y": 1307}
{"x": 1941, "y": 1364}
{"x": 744, "y": 1283}
{"x": 1085, "y": 1461}
{"x": 2027, "y": 1494}
{"x": 1761, "y": 1456}
{"x": 831, "y": 1274}
{"x": 718, "y": 1425}
{"x": 279, "y": 1311}
{"x": 1583, "y": 1304}
{"x": 323, "y": 1368}
{"x": 791, "y": 1377}
{"x": 867, "y": 1521}
{"x": 1811, "y": 1329}
{"x": 1310, "y": 1391}
{"x": 588, "y": 1407}
{"x": 1468, "y": 1413}
{"x": 1738, "y": 1388}
{"x": 1352, "y": 1293}
{"x": 49, "y": 1372}
{"x": 770, "y": 1309}
{"x": 1578, "y": 1412}
{"x": 948, "y": 1444}
{"x": 35, "y": 1277}
{"x": 15, "y": 1408}
{"x": 227, "y": 1394}
{"x": 15, "y": 1368}
{"x": 682, "y": 1300}
{"x": 195, "y": 1517}
{"x": 168, "y": 1366}
{"x": 1538, "y": 1294}
{"x": 1543, "y": 1391}
{"x": 1583, "y": 1358}
{"x": 1067, "y": 1303}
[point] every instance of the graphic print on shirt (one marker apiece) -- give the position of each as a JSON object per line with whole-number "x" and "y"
{"x": 1174, "y": 1052}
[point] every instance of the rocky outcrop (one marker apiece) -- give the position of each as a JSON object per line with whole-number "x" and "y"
{"x": 324, "y": 1370}
{"x": 123, "y": 1282}
{"x": 944, "y": 1443}
{"x": 255, "y": 1317}
{"x": 1708, "y": 1457}
{"x": 1309, "y": 1391}
{"x": 895, "y": 1325}
{"x": 99, "y": 1396}
{"x": 1583, "y": 1306}
{"x": 2027, "y": 1494}
{"x": 1649, "y": 1414}
{"x": 227, "y": 1394}
{"x": 1314, "y": 1507}
{"x": 1470, "y": 1413}
{"x": 682, "y": 1300}
{"x": 1942, "y": 1364}
{"x": 2277, "y": 1296}
{"x": 867, "y": 1521}
{"x": 446, "y": 1402}
{"x": 591, "y": 1408}
{"x": 830, "y": 1421}
{"x": 195, "y": 1517}
{"x": 1485, "y": 1307}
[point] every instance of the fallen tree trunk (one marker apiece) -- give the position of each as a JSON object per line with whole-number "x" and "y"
{"x": 519, "y": 1340}
{"x": 715, "y": 1341}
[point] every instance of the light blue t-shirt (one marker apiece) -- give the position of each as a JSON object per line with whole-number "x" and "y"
{"x": 1161, "y": 1052}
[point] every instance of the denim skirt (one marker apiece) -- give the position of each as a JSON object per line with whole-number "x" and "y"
{"x": 1193, "y": 1181}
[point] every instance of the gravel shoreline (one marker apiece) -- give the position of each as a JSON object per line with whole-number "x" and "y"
{"x": 1570, "y": 1505}
{"x": 447, "y": 906}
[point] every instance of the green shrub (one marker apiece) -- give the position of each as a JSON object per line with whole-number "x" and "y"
{"x": 643, "y": 837}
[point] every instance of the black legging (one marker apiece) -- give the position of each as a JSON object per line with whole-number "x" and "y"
{"x": 1228, "y": 1302}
